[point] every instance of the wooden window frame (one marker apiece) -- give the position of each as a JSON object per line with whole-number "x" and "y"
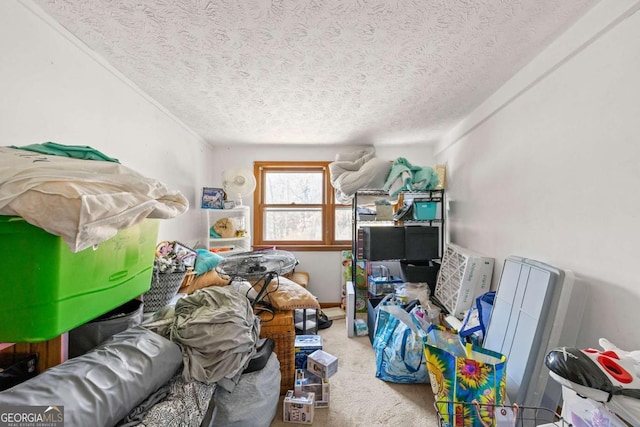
{"x": 328, "y": 207}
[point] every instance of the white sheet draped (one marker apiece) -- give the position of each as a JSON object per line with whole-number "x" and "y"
{"x": 84, "y": 201}
{"x": 355, "y": 171}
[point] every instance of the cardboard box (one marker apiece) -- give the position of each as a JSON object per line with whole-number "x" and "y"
{"x": 582, "y": 412}
{"x": 361, "y": 275}
{"x": 361, "y": 328}
{"x": 384, "y": 213}
{"x": 305, "y": 320}
{"x": 298, "y": 409}
{"x": 380, "y": 286}
{"x": 322, "y": 364}
{"x": 463, "y": 276}
{"x": 307, "y": 382}
{"x": 304, "y": 346}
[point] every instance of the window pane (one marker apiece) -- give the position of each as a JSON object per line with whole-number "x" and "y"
{"x": 293, "y": 224}
{"x": 299, "y": 187}
{"x": 343, "y": 224}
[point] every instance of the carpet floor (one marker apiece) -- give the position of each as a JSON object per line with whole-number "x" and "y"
{"x": 358, "y": 398}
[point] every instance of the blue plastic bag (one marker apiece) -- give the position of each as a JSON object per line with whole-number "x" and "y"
{"x": 399, "y": 347}
{"x": 474, "y": 326}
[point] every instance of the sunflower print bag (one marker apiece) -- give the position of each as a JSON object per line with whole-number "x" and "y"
{"x": 462, "y": 373}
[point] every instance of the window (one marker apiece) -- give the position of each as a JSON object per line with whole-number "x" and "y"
{"x": 295, "y": 208}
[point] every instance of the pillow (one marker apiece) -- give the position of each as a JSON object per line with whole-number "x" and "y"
{"x": 206, "y": 261}
{"x": 285, "y": 294}
{"x": 210, "y": 278}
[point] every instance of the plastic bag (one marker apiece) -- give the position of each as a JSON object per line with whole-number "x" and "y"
{"x": 419, "y": 291}
{"x": 399, "y": 347}
{"x": 461, "y": 373}
{"x": 474, "y": 326}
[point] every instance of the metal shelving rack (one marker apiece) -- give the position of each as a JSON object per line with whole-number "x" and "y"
{"x": 369, "y": 196}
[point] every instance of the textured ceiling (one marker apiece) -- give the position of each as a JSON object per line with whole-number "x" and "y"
{"x": 313, "y": 71}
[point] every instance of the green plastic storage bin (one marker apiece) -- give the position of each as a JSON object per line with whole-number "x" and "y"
{"x": 46, "y": 290}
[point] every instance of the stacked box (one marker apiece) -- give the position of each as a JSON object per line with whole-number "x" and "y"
{"x": 307, "y": 382}
{"x": 305, "y": 320}
{"x": 322, "y": 364}
{"x": 298, "y": 409}
{"x": 360, "y": 327}
{"x": 380, "y": 286}
{"x": 304, "y": 346}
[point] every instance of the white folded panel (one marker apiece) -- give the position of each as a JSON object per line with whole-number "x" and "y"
{"x": 351, "y": 308}
{"x": 529, "y": 318}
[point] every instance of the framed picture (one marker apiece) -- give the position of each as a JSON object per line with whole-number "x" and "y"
{"x": 185, "y": 254}
{"x": 212, "y": 198}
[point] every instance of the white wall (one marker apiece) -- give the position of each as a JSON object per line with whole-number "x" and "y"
{"x": 52, "y": 89}
{"x": 549, "y": 169}
{"x": 325, "y": 268}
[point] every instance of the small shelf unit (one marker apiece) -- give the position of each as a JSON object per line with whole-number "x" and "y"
{"x": 240, "y": 217}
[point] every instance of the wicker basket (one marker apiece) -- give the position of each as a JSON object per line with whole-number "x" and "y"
{"x": 164, "y": 287}
{"x": 282, "y": 330}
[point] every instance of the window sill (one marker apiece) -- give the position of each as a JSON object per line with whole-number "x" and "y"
{"x": 305, "y": 248}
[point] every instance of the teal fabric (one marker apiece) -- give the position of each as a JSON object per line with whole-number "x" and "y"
{"x": 75, "y": 151}
{"x": 206, "y": 261}
{"x": 414, "y": 178}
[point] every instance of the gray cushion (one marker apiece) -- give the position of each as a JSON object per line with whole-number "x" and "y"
{"x": 99, "y": 388}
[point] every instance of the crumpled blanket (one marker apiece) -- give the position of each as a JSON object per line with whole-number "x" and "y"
{"x": 86, "y": 202}
{"x": 355, "y": 171}
{"x": 178, "y": 402}
{"x": 406, "y": 177}
{"x": 217, "y": 331}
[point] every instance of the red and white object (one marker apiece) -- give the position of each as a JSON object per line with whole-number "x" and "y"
{"x": 610, "y": 376}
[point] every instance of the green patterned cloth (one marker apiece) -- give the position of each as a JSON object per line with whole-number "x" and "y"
{"x": 76, "y": 151}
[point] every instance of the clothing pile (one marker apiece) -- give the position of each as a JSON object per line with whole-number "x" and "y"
{"x": 361, "y": 170}
{"x": 217, "y": 331}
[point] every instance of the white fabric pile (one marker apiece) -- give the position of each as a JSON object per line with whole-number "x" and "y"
{"x": 357, "y": 170}
{"x": 84, "y": 201}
